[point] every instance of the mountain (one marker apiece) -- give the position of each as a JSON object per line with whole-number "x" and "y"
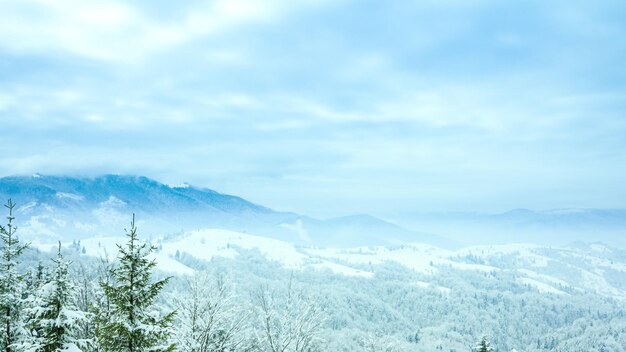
{"x": 548, "y": 227}
{"x": 347, "y": 230}
{"x": 62, "y": 207}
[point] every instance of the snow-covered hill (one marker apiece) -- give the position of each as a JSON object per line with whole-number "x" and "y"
{"x": 570, "y": 270}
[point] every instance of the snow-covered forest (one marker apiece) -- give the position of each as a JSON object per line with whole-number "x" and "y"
{"x": 65, "y": 300}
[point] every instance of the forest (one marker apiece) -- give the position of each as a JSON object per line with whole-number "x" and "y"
{"x": 68, "y": 301}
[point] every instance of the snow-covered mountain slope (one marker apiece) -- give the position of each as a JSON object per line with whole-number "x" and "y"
{"x": 60, "y": 207}
{"x": 563, "y": 271}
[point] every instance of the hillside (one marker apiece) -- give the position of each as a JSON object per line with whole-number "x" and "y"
{"x": 571, "y": 270}
{"x": 415, "y": 297}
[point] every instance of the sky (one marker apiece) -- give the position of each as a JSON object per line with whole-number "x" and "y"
{"x": 325, "y": 107}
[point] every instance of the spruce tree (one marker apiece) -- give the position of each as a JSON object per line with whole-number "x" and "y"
{"x": 10, "y": 284}
{"x": 53, "y": 318}
{"x": 133, "y": 324}
{"x": 33, "y": 333}
{"x": 484, "y": 345}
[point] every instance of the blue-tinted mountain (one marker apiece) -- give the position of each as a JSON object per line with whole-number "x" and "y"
{"x": 79, "y": 207}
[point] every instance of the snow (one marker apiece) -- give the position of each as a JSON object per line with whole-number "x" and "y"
{"x": 43, "y": 246}
{"x": 571, "y": 269}
{"x": 509, "y": 248}
{"x": 540, "y": 277}
{"x": 342, "y": 269}
{"x": 72, "y": 196}
{"x": 171, "y": 265}
{"x": 112, "y": 202}
{"x": 107, "y": 247}
{"x": 102, "y": 246}
{"x": 542, "y": 287}
{"x": 525, "y": 253}
{"x": 475, "y": 267}
{"x": 597, "y": 262}
{"x": 599, "y": 284}
{"x": 444, "y": 290}
{"x": 406, "y": 256}
{"x": 599, "y": 248}
{"x": 210, "y": 243}
{"x": 422, "y": 284}
{"x": 27, "y": 207}
{"x": 205, "y": 244}
{"x": 70, "y": 347}
{"x": 421, "y": 258}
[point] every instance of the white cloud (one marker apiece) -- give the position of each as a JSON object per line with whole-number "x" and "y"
{"x": 281, "y": 101}
{"x": 93, "y": 29}
{"x": 117, "y": 32}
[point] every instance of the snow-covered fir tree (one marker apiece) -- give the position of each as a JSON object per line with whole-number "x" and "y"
{"x": 484, "y": 345}
{"x": 134, "y": 324}
{"x": 11, "y": 284}
{"x": 34, "y": 281}
{"x": 53, "y": 319}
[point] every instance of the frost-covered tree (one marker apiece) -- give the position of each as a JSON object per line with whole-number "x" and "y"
{"x": 86, "y": 289}
{"x": 484, "y": 345}
{"x": 289, "y": 323}
{"x": 11, "y": 283}
{"x": 208, "y": 317}
{"x": 134, "y": 324}
{"x": 369, "y": 341}
{"x": 53, "y": 319}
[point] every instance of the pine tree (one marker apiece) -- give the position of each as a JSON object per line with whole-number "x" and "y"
{"x": 33, "y": 332}
{"x": 10, "y": 284}
{"x": 484, "y": 345}
{"x": 53, "y": 318}
{"x": 134, "y": 325}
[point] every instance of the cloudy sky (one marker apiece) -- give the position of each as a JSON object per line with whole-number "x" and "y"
{"x": 325, "y": 107}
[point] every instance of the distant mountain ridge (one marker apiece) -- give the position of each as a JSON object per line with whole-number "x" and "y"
{"x": 137, "y": 191}
{"x": 80, "y": 207}
{"x": 552, "y": 227}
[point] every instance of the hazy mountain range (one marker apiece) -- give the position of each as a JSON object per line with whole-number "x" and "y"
{"x": 65, "y": 207}
{"x": 547, "y": 227}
